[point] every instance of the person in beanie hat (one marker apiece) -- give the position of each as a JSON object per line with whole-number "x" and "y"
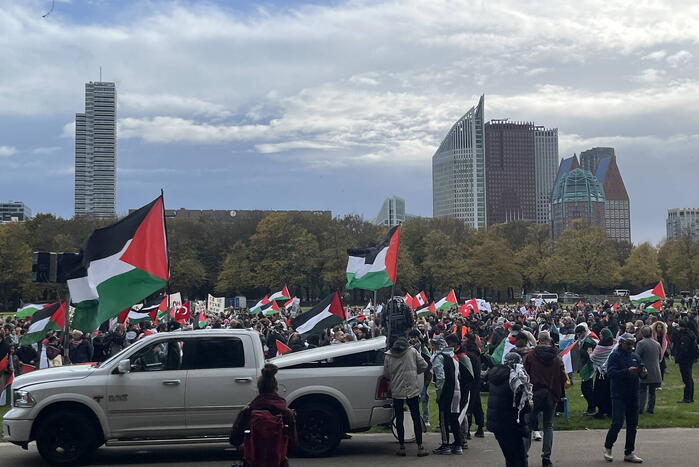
{"x": 624, "y": 369}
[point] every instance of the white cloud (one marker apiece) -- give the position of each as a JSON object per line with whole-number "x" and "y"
{"x": 171, "y": 105}
{"x": 46, "y": 150}
{"x": 68, "y": 130}
{"x": 680, "y": 58}
{"x": 173, "y": 129}
{"x": 650, "y": 75}
{"x": 657, "y": 55}
{"x": 6, "y": 151}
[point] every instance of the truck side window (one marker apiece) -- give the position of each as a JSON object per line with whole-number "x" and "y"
{"x": 159, "y": 356}
{"x": 219, "y": 353}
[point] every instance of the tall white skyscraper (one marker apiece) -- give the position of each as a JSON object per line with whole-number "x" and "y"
{"x": 458, "y": 171}
{"x": 392, "y": 212}
{"x": 95, "y": 152}
{"x": 546, "y": 168}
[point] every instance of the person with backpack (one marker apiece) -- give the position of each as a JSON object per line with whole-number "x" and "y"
{"x": 396, "y": 319}
{"x": 266, "y": 427}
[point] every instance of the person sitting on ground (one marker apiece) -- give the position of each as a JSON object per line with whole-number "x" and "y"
{"x": 268, "y": 418}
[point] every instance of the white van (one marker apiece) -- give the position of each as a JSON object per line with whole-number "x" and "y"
{"x": 621, "y": 293}
{"x": 546, "y": 297}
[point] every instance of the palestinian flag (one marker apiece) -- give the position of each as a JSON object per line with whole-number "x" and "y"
{"x": 447, "y": 302}
{"x": 6, "y": 391}
{"x": 140, "y": 313}
{"x": 654, "y": 307}
{"x": 4, "y": 361}
{"x": 282, "y": 348}
{"x": 367, "y": 309}
{"x": 260, "y": 305}
{"x": 427, "y": 310}
{"x": 272, "y": 309}
{"x": 120, "y": 265}
{"x": 51, "y": 317}
{"x": 283, "y": 294}
{"x": 163, "y": 307}
{"x": 469, "y": 307}
{"x": 567, "y": 358}
{"x": 375, "y": 267}
{"x": 324, "y": 315}
{"x": 27, "y": 310}
{"x": 652, "y": 295}
{"x": 291, "y": 303}
{"x": 202, "y": 320}
{"x": 501, "y": 350}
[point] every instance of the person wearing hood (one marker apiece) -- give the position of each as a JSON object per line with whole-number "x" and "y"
{"x": 586, "y": 345}
{"x": 401, "y": 367}
{"x": 624, "y": 368}
{"x": 547, "y": 373}
{"x": 598, "y": 358}
{"x": 509, "y": 395}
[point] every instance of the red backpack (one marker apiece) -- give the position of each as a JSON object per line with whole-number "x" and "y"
{"x": 266, "y": 444}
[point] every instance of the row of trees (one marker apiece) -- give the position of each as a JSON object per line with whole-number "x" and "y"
{"x": 308, "y": 252}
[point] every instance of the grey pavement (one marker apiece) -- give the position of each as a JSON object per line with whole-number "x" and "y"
{"x": 663, "y": 447}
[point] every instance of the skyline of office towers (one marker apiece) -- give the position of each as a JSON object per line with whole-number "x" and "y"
{"x": 509, "y": 172}
{"x": 458, "y": 171}
{"x": 601, "y": 161}
{"x": 577, "y": 194}
{"x": 682, "y": 222}
{"x": 14, "y": 211}
{"x": 546, "y": 166}
{"x": 95, "y": 152}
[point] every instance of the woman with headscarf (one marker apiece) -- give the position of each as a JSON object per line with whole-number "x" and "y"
{"x": 509, "y": 401}
{"x": 598, "y": 358}
{"x": 659, "y": 329}
{"x": 586, "y": 344}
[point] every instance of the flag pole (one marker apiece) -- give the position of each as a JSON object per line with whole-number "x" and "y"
{"x": 66, "y": 327}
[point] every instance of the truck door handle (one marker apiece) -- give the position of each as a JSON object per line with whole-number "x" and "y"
{"x": 171, "y": 382}
{"x": 243, "y": 380}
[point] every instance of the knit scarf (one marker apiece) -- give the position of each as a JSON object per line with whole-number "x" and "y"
{"x": 519, "y": 381}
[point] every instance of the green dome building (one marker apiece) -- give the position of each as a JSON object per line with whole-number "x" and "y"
{"x": 578, "y": 194}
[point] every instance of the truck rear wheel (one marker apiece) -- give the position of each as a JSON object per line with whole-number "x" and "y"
{"x": 66, "y": 438}
{"x": 319, "y": 429}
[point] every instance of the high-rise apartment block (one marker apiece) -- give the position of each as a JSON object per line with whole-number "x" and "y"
{"x": 682, "y": 223}
{"x": 546, "y": 167}
{"x": 95, "y": 152}
{"x": 510, "y": 172}
{"x": 617, "y": 210}
{"x": 14, "y": 211}
{"x": 458, "y": 171}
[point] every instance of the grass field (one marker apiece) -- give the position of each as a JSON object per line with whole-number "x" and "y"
{"x": 668, "y": 413}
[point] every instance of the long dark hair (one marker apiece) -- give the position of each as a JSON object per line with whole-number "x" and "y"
{"x": 267, "y": 382}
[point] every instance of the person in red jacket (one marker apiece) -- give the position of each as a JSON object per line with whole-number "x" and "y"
{"x": 266, "y": 427}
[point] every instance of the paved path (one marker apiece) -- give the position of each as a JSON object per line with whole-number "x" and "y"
{"x": 667, "y": 447}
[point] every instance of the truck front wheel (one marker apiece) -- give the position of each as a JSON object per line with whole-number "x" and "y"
{"x": 65, "y": 438}
{"x": 319, "y": 429}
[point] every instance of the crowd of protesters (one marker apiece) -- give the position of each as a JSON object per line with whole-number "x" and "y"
{"x": 454, "y": 351}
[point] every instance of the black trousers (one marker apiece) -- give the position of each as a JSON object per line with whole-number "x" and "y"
{"x": 476, "y": 410}
{"x": 686, "y": 372}
{"x": 623, "y": 410}
{"x": 588, "y": 392}
{"x": 414, "y": 407}
{"x": 449, "y": 423}
{"x": 602, "y": 395}
{"x": 513, "y": 447}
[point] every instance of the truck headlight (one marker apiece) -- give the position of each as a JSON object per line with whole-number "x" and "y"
{"x": 23, "y": 399}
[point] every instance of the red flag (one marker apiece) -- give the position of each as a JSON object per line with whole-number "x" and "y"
{"x": 121, "y": 317}
{"x": 420, "y": 299}
{"x": 282, "y": 348}
{"x": 469, "y": 307}
{"x": 3, "y": 362}
{"x": 182, "y": 313}
{"x": 580, "y": 303}
{"x": 615, "y": 306}
{"x": 409, "y": 300}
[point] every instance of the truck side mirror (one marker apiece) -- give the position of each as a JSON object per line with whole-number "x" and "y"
{"x": 124, "y": 366}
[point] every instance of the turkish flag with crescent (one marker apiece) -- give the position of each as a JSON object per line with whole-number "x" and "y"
{"x": 182, "y": 313}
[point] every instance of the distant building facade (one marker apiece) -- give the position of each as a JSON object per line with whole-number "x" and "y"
{"x": 617, "y": 210}
{"x": 95, "y": 152}
{"x": 14, "y": 211}
{"x": 510, "y": 172}
{"x": 682, "y": 222}
{"x": 577, "y": 194}
{"x": 458, "y": 171}
{"x": 392, "y": 212}
{"x": 545, "y": 166}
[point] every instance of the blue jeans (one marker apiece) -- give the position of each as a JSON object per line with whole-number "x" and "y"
{"x": 623, "y": 409}
{"x": 544, "y": 405}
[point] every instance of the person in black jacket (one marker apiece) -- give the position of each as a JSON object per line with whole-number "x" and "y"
{"x": 475, "y": 407}
{"x": 396, "y": 319}
{"x": 80, "y": 349}
{"x": 507, "y": 411}
{"x": 685, "y": 350}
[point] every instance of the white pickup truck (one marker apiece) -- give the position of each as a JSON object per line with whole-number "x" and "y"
{"x": 189, "y": 386}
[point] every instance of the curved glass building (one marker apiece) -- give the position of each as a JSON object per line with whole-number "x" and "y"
{"x": 458, "y": 171}
{"x": 578, "y": 194}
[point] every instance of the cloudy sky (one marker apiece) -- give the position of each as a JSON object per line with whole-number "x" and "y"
{"x": 339, "y": 104}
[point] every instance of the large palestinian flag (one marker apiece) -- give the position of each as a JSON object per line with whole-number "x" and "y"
{"x": 375, "y": 267}
{"x": 654, "y": 307}
{"x": 50, "y": 318}
{"x": 140, "y": 314}
{"x": 28, "y": 310}
{"x": 120, "y": 265}
{"x": 283, "y": 294}
{"x": 652, "y": 295}
{"x": 324, "y": 315}
{"x": 447, "y": 302}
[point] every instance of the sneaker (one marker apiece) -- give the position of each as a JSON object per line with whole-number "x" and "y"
{"x": 464, "y": 445}
{"x": 537, "y": 436}
{"x": 422, "y": 452}
{"x": 443, "y": 449}
{"x": 457, "y": 450}
{"x": 650, "y": 412}
{"x": 401, "y": 451}
{"x": 427, "y": 423}
{"x": 546, "y": 463}
{"x": 633, "y": 458}
{"x": 479, "y": 433}
{"x": 468, "y": 435}
{"x": 608, "y": 455}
